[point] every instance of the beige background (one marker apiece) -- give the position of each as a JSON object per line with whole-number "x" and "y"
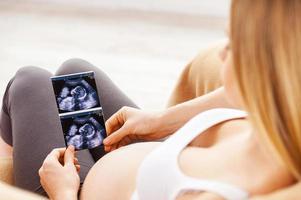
{"x": 141, "y": 44}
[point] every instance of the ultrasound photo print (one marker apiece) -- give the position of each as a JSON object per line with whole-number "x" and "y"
{"x": 75, "y": 92}
{"x": 84, "y": 129}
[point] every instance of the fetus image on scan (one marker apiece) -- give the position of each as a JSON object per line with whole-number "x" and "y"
{"x": 77, "y": 94}
{"x": 84, "y": 132}
{"x": 80, "y": 112}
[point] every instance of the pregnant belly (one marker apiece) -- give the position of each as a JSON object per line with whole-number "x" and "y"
{"x": 113, "y": 176}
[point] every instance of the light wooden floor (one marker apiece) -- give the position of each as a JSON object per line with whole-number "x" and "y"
{"x": 143, "y": 51}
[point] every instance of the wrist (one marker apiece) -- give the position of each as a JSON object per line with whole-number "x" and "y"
{"x": 167, "y": 123}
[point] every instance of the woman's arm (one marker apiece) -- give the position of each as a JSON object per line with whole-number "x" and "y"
{"x": 129, "y": 125}
{"x": 174, "y": 117}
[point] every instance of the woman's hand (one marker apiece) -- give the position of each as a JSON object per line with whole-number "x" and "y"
{"x": 59, "y": 174}
{"x": 129, "y": 125}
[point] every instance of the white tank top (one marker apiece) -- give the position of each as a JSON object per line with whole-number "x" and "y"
{"x": 159, "y": 176}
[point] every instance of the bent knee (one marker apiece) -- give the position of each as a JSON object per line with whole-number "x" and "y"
{"x": 74, "y": 62}
{"x": 28, "y": 81}
{"x": 74, "y": 65}
{"x": 30, "y": 77}
{"x": 32, "y": 72}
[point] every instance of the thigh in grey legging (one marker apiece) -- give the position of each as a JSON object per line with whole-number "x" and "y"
{"x": 29, "y": 119}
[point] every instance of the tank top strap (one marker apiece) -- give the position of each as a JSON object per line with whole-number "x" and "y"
{"x": 199, "y": 124}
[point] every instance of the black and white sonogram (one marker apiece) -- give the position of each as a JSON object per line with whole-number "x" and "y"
{"x": 84, "y": 129}
{"x": 80, "y": 110}
{"x": 75, "y": 92}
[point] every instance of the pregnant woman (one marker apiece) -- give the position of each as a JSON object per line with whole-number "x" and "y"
{"x": 221, "y": 153}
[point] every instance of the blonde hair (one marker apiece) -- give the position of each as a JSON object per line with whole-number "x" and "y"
{"x": 266, "y": 45}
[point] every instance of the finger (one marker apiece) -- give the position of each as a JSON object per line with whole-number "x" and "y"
{"x": 116, "y": 136}
{"x": 110, "y": 147}
{"x": 113, "y": 123}
{"x": 69, "y": 155}
{"x": 114, "y": 147}
{"x": 57, "y": 153}
{"x": 54, "y": 156}
{"x": 40, "y": 171}
{"x": 125, "y": 141}
{"x": 75, "y": 161}
{"x": 42, "y": 182}
{"x": 119, "y": 145}
{"x": 107, "y": 148}
{"x": 77, "y": 168}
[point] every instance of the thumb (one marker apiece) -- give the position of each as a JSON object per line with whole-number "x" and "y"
{"x": 116, "y": 136}
{"x": 69, "y": 155}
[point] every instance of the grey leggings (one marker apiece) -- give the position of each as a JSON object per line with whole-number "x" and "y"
{"x": 29, "y": 120}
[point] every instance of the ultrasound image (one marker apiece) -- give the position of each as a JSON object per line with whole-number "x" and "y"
{"x": 77, "y": 95}
{"x": 84, "y": 132}
{"x": 79, "y": 109}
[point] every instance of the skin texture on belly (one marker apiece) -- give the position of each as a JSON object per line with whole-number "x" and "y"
{"x": 114, "y": 176}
